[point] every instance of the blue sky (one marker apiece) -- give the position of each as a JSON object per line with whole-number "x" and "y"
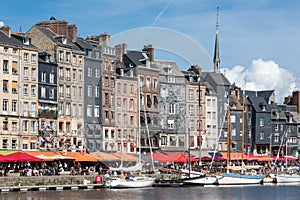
{"x": 249, "y": 30}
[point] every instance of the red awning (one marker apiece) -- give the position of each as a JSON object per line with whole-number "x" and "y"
{"x": 21, "y": 157}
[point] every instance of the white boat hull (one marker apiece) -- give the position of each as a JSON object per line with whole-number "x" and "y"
{"x": 239, "y": 179}
{"x": 129, "y": 183}
{"x": 287, "y": 178}
{"x": 207, "y": 180}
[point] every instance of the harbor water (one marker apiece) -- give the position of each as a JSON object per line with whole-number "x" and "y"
{"x": 257, "y": 192}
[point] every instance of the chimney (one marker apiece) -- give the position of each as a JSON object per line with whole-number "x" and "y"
{"x": 90, "y": 38}
{"x": 120, "y": 50}
{"x": 104, "y": 39}
{"x": 72, "y": 31}
{"x": 58, "y": 27}
{"x": 6, "y": 30}
{"x": 150, "y": 51}
{"x": 196, "y": 68}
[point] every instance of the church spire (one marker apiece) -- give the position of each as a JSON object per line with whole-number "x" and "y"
{"x": 216, "y": 53}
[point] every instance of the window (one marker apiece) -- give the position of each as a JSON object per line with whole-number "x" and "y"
{"x": 14, "y": 106}
{"x": 68, "y": 108}
{"x": 79, "y": 110}
{"x": 25, "y": 125}
{"x": 25, "y": 73}
{"x": 25, "y": 108}
{"x": 171, "y": 79}
{"x": 26, "y": 57}
{"x": 148, "y": 82}
{"x": 97, "y": 91}
{"x": 74, "y": 91}
{"x": 43, "y": 91}
{"x": 74, "y": 110}
{"x": 112, "y": 82}
{"x": 163, "y": 140}
{"x": 105, "y": 81}
{"x": 33, "y": 126}
{"x": 60, "y": 108}
{"x": 261, "y": 121}
{"x": 80, "y": 92}
{"x": 68, "y": 92}
{"x": 68, "y": 56}
{"x": 60, "y": 56}
{"x": 97, "y": 111}
{"x": 119, "y": 87}
{"x": 119, "y": 102}
{"x": 261, "y": 135}
{"x": 125, "y": 103}
{"x": 171, "y": 108}
{"x": 90, "y": 72}
{"x": 74, "y": 74}
{"x": 5, "y": 85}
{"x": 191, "y": 110}
{"x": 232, "y": 118}
{"x": 51, "y": 92}
{"x": 125, "y": 120}
{"x": 33, "y": 90}
{"x": 106, "y": 98}
{"x": 89, "y": 110}
{"x": 25, "y": 89}
{"x": 44, "y": 76}
{"x": 32, "y": 109}
{"x": 14, "y": 126}
{"x": 276, "y": 127}
{"x": 170, "y": 124}
{"x": 173, "y": 140}
{"x": 208, "y": 116}
{"x": 149, "y": 102}
{"x": 191, "y": 94}
{"x": 68, "y": 127}
{"x": 33, "y": 75}
{"x": 60, "y": 72}
{"x": 208, "y": 102}
{"x": 5, "y": 66}
{"x": 125, "y": 88}
{"x": 14, "y": 87}
{"x": 4, "y": 105}
{"x": 154, "y": 83}
{"x": 80, "y": 75}
{"x": 51, "y": 77}
{"x": 213, "y": 103}
{"x": 61, "y": 90}
{"x": 68, "y": 74}
{"x": 14, "y": 67}
{"x": 33, "y": 58}
{"x": 97, "y": 73}
{"x": 89, "y": 92}
{"x": 131, "y": 103}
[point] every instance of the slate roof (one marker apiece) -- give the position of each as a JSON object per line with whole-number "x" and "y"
{"x": 54, "y": 37}
{"x": 218, "y": 78}
{"x": 83, "y": 44}
{"x": 138, "y": 58}
{"x": 5, "y": 40}
{"x": 257, "y": 102}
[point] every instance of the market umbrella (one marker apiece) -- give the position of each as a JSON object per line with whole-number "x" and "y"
{"x": 2, "y": 158}
{"x": 21, "y": 157}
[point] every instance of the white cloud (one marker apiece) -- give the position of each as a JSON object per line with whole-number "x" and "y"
{"x": 264, "y": 75}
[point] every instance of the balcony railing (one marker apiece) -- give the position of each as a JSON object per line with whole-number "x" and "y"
{"x": 47, "y": 113}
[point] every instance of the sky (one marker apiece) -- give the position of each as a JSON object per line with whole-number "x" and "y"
{"x": 258, "y": 39}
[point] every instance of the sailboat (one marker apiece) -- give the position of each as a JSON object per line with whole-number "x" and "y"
{"x": 239, "y": 175}
{"x": 198, "y": 178}
{"x": 131, "y": 181}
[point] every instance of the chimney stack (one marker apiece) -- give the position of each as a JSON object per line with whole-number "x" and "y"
{"x": 6, "y": 30}
{"x": 120, "y": 50}
{"x": 150, "y": 50}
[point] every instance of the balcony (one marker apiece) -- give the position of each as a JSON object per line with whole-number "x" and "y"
{"x": 47, "y": 113}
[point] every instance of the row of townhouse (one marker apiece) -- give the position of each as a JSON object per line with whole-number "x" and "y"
{"x": 62, "y": 91}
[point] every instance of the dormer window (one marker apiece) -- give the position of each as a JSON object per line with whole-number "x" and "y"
{"x": 64, "y": 40}
{"x": 233, "y": 105}
{"x": 262, "y": 106}
{"x": 26, "y": 41}
{"x": 190, "y": 79}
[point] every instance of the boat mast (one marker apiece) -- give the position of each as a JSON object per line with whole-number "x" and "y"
{"x": 200, "y": 136}
{"x": 139, "y": 116}
{"x": 243, "y": 127}
{"x": 228, "y": 136}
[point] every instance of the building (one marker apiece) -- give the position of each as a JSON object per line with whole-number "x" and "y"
{"x": 55, "y": 37}
{"x": 172, "y": 107}
{"x": 92, "y": 97}
{"x": 19, "y": 61}
{"x": 47, "y": 101}
{"x": 141, "y": 63}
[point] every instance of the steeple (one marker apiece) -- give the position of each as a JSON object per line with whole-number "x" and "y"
{"x": 216, "y": 53}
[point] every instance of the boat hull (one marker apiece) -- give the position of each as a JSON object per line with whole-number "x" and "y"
{"x": 287, "y": 178}
{"x": 239, "y": 179}
{"x": 206, "y": 180}
{"x": 128, "y": 183}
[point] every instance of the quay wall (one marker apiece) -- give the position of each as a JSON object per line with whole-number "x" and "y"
{"x": 12, "y": 181}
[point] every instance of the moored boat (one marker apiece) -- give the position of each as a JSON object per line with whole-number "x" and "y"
{"x": 288, "y": 178}
{"x": 135, "y": 182}
{"x": 239, "y": 179}
{"x": 203, "y": 180}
